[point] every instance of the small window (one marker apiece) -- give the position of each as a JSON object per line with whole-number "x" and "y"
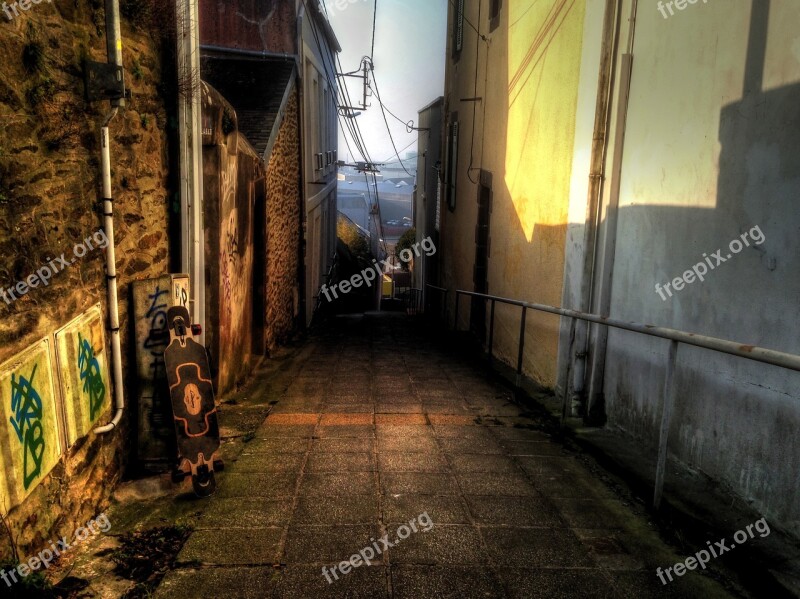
{"x": 494, "y": 14}
{"x": 452, "y": 165}
{"x": 458, "y": 29}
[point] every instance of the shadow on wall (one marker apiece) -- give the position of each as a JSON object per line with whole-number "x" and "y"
{"x": 728, "y": 410}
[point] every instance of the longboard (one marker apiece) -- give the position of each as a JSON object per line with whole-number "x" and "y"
{"x": 193, "y": 407}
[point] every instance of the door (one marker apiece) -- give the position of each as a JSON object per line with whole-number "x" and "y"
{"x": 480, "y": 276}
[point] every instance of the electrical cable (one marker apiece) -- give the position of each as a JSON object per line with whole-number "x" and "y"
{"x": 403, "y": 150}
{"x": 409, "y": 124}
{"x": 386, "y": 120}
{"x": 483, "y": 37}
{"x": 475, "y": 102}
{"x": 351, "y": 124}
{"x": 374, "y": 24}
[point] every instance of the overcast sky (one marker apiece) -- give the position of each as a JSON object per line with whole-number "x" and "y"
{"x": 409, "y": 64}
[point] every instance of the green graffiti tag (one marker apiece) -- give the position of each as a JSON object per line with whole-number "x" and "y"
{"x": 26, "y": 406}
{"x": 90, "y": 375}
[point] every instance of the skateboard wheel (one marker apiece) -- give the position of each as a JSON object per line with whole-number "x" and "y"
{"x": 204, "y": 486}
{"x": 219, "y": 465}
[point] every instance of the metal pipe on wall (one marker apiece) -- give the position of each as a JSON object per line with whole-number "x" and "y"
{"x": 595, "y": 410}
{"x": 605, "y": 86}
{"x": 191, "y": 158}
{"x": 114, "y": 51}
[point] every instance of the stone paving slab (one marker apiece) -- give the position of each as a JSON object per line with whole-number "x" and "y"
{"x": 232, "y": 546}
{"x": 378, "y": 429}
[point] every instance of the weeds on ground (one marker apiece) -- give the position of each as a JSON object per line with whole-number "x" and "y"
{"x": 145, "y": 556}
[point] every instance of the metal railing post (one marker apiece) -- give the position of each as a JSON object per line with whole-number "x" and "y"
{"x": 491, "y": 333}
{"x": 521, "y": 346}
{"x": 666, "y": 414}
{"x": 455, "y": 321}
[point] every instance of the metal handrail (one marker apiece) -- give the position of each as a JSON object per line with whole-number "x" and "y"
{"x": 676, "y": 337}
{"x": 444, "y": 292}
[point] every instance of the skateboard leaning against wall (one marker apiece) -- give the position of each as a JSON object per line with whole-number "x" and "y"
{"x": 193, "y": 407}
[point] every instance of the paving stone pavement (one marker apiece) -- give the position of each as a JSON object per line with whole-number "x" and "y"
{"x": 380, "y": 426}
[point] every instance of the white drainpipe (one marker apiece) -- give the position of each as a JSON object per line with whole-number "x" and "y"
{"x": 111, "y": 274}
{"x": 114, "y": 51}
{"x": 191, "y": 159}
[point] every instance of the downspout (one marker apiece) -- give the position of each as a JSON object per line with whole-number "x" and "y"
{"x": 191, "y": 158}
{"x": 114, "y": 51}
{"x": 595, "y": 409}
{"x": 602, "y": 123}
{"x": 301, "y": 136}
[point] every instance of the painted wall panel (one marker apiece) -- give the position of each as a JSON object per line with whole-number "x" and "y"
{"x": 151, "y": 299}
{"x": 83, "y": 373}
{"x": 30, "y": 437}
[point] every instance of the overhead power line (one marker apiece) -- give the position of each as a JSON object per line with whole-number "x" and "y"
{"x": 386, "y": 120}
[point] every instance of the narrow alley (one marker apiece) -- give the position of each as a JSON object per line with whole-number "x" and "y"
{"x": 378, "y": 426}
{"x": 518, "y": 321}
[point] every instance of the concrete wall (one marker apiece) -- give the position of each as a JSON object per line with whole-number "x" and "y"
{"x": 428, "y": 190}
{"x": 49, "y": 202}
{"x": 710, "y": 151}
{"x": 523, "y": 130}
{"x": 320, "y": 138}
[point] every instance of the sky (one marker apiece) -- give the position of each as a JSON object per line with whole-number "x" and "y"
{"x": 409, "y": 62}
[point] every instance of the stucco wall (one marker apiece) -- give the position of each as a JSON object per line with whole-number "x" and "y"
{"x": 524, "y": 130}
{"x": 710, "y": 152}
{"x": 713, "y": 153}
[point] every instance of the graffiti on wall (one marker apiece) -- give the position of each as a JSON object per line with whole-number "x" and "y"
{"x": 155, "y": 343}
{"x": 229, "y": 258}
{"x": 26, "y": 418}
{"x": 152, "y": 298}
{"x": 30, "y": 423}
{"x": 92, "y": 377}
{"x": 82, "y": 372}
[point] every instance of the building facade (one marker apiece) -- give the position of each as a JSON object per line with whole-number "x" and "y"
{"x": 601, "y": 155}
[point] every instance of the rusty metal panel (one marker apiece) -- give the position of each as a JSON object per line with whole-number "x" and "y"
{"x": 83, "y": 376}
{"x": 253, "y": 25}
{"x": 30, "y": 431}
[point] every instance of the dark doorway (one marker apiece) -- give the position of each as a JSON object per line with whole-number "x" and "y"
{"x": 480, "y": 276}
{"x": 260, "y": 268}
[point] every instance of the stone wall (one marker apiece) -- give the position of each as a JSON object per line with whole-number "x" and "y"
{"x": 284, "y": 229}
{"x": 49, "y": 201}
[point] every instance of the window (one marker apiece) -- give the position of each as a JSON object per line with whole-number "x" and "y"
{"x": 494, "y": 14}
{"x": 458, "y": 29}
{"x": 452, "y": 163}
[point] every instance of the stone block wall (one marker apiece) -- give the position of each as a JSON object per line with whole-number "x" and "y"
{"x": 50, "y": 201}
{"x": 284, "y": 222}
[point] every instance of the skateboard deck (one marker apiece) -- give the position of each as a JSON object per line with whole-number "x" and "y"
{"x": 193, "y": 407}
